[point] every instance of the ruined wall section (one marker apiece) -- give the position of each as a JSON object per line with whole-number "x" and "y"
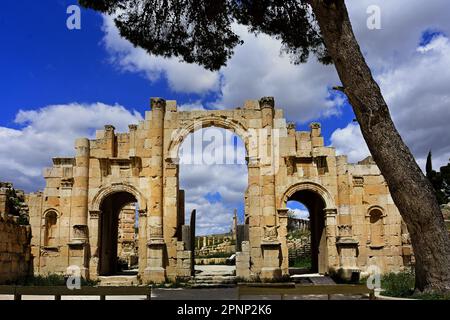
{"x": 16, "y": 260}
{"x": 376, "y": 221}
{"x": 55, "y": 199}
{"x": 15, "y": 252}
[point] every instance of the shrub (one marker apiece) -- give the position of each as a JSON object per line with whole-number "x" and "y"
{"x": 399, "y": 284}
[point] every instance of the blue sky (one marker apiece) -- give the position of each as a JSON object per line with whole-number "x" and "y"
{"x": 57, "y": 84}
{"x": 45, "y": 63}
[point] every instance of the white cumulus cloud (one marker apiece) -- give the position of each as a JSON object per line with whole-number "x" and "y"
{"x": 181, "y": 76}
{"x": 418, "y": 96}
{"x": 50, "y": 132}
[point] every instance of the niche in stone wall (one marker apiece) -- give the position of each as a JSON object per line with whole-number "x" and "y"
{"x": 50, "y": 229}
{"x": 376, "y": 216}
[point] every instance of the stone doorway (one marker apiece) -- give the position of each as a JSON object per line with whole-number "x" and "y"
{"x": 117, "y": 243}
{"x": 313, "y": 227}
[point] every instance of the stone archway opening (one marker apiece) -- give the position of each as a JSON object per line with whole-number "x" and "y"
{"x": 306, "y": 238}
{"x": 214, "y": 178}
{"x": 118, "y": 234}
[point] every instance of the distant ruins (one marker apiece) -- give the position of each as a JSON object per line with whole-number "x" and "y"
{"x": 75, "y": 220}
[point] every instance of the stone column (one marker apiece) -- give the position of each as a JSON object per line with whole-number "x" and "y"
{"x": 282, "y": 236}
{"x": 270, "y": 245}
{"x": 171, "y": 216}
{"x": 94, "y": 216}
{"x": 3, "y": 202}
{"x": 330, "y": 230}
{"x": 110, "y": 140}
{"x": 254, "y": 214}
{"x": 132, "y": 151}
{"x": 79, "y": 209}
{"x": 155, "y": 269}
{"x": 347, "y": 247}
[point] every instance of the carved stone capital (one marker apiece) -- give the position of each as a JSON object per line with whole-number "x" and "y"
{"x": 267, "y": 102}
{"x": 330, "y": 212}
{"x": 345, "y": 230}
{"x": 94, "y": 214}
{"x": 67, "y": 183}
{"x": 358, "y": 181}
{"x": 270, "y": 233}
{"x": 158, "y": 103}
{"x": 283, "y": 212}
{"x": 142, "y": 212}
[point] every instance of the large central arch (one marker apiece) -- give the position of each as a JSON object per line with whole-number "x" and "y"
{"x": 207, "y": 121}
{"x": 174, "y": 210}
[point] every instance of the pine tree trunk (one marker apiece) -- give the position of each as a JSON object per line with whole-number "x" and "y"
{"x": 410, "y": 189}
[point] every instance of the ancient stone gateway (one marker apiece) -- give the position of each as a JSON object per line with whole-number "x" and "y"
{"x": 355, "y": 223}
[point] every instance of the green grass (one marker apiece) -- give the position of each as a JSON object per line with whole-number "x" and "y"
{"x": 401, "y": 285}
{"x": 301, "y": 262}
{"x": 298, "y": 234}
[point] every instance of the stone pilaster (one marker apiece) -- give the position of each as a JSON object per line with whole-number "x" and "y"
{"x": 79, "y": 211}
{"x": 155, "y": 271}
{"x": 282, "y": 237}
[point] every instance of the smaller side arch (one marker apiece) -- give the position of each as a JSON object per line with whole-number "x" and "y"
{"x": 107, "y": 190}
{"x": 309, "y": 186}
{"x": 50, "y": 225}
{"x": 50, "y": 210}
{"x": 374, "y": 208}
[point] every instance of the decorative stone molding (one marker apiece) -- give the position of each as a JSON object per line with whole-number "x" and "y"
{"x": 358, "y": 181}
{"x": 80, "y": 233}
{"x": 345, "y": 230}
{"x": 270, "y": 234}
{"x": 107, "y": 190}
{"x": 238, "y": 127}
{"x": 283, "y": 212}
{"x": 311, "y": 186}
{"x": 67, "y": 183}
{"x": 94, "y": 214}
{"x": 346, "y": 241}
{"x": 376, "y": 207}
{"x": 330, "y": 212}
{"x": 155, "y": 242}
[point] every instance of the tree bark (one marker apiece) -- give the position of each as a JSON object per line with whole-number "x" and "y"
{"x": 411, "y": 191}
